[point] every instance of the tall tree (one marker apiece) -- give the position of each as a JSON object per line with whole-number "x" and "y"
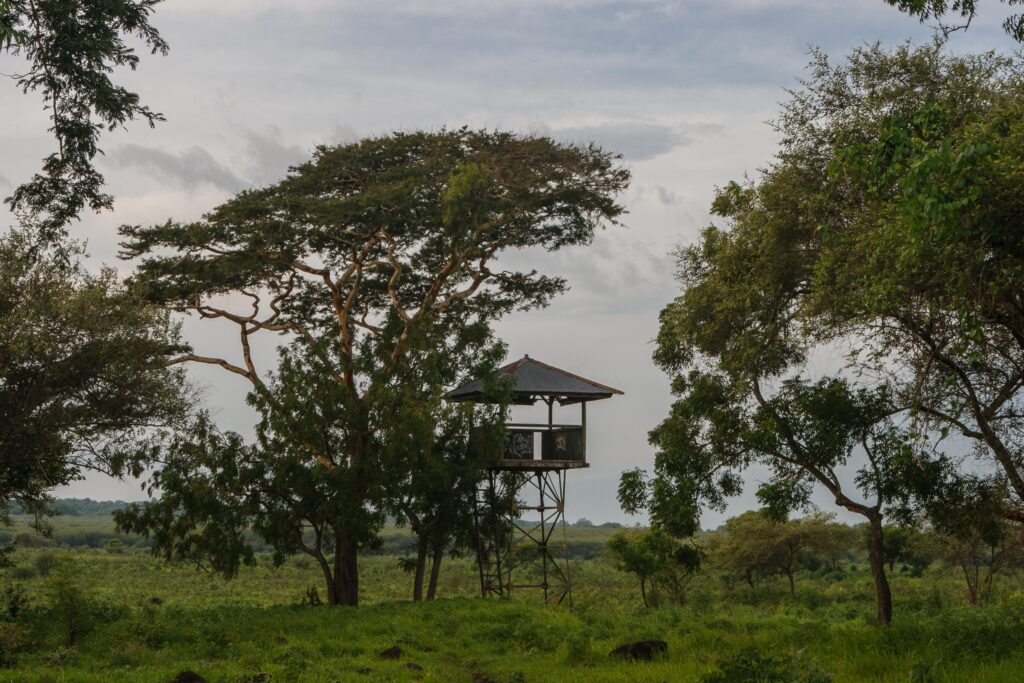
{"x": 373, "y": 259}
{"x": 82, "y": 375}
{"x": 72, "y": 48}
{"x": 888, "y": 222}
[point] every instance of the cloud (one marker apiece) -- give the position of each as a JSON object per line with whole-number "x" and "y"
{"x": 189, "y": 168}
{"x": 666, "y": 196}
{"x": 634, "y": 140}
{"x": 4, "y": 180}
{"x": 268, "y": 157}
{"x": 265, "y": 158}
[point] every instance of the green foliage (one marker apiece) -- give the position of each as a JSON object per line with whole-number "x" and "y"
{"x": 72, "y": 47}
{"x": 658, "y": 560}
{"x": 888, "y": 222}
{"x": 234, "y": 630}
{"x": 70, "y": 605}
{"x": 750, "y": 666}
{"x": 82, "y": 382}
{"x": 907, "y": 546}
{"x": 15, "y": 602}
{"x": 753, "y": 545}
{"x": 12, "y": 639}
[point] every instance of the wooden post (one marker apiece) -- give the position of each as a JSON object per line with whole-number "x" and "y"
{"x": 583, "y": 436}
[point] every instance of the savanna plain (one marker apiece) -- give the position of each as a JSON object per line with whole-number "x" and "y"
{"x": 90, "y": 605}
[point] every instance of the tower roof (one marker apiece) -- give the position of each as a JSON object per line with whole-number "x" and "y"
{"x": 533, "y": 379}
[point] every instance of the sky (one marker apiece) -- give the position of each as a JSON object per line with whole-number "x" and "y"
{"x": 683, "y": 90}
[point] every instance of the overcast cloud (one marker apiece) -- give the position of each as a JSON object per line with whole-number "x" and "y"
{"x": 681, "y": 89}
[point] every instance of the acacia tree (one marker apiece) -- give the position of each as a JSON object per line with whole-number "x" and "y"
{"x": 72, "y": 47}
{"x": 371, "y": 258}
{"x": 82, "y": 376}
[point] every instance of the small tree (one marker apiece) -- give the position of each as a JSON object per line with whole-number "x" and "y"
{"x": 658, "y": 560}
{"x": 906, "y": 545}
{"x": 754, "y": 544}
{"x": 972, "y": 533}
{"x": 745, "y": 547}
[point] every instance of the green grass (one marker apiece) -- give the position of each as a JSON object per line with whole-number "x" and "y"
{"x": 147, "y": 620}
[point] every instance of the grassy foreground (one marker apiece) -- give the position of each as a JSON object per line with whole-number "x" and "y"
{"x": 139, "y": 619}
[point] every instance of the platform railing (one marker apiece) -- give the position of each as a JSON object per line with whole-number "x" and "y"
{"x": 557, "y": 442}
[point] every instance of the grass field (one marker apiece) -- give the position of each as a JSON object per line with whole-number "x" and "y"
{"x": 137, "y": 618}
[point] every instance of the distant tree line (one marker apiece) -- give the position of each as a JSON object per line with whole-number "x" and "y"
{"x": 756, "y": 545}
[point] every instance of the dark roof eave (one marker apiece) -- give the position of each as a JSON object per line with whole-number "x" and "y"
{"x": 471, "y": 395}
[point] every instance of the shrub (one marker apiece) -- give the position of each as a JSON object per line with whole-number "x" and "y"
{"x": 578, "y": 648}
{"x": 45, "y": 563}
{"x": 11, "y": 640}
{"x": 750, "y": 666}
{"x": 14, "y": 603}
{"x": 22, "y": 573}
{"x": 71, "y": 607}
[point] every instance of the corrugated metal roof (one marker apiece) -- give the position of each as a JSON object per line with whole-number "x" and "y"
{"x": 534, "y": 378}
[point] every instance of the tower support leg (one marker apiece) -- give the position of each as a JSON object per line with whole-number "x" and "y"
{"x": 525, "y": 528}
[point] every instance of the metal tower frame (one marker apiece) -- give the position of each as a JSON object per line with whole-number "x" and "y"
{"x": 503, "y": 535}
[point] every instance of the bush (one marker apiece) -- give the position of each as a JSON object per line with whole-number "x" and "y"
{"x": 27, "y": 540}
{"x": 14, "y": 603}
{"x": 11, "y": 640}
{"x": 71, "y": 607}
{"x": 45, "y": 563}
{"x": 22, "y": 573}
{"x": 750, "y": 666}
{"x": 578, "y": 648}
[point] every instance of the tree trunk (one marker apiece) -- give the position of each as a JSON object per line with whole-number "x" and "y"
{"x": 643, "y": 590}
{"x": 972, "y": 583}
{"x": 750, "y": 579}
{"x": 792, "y": 584}
{"x": 435, "y": 569}
{"x": 883, "y": 594}
{"x": 346, "y": 573}
{"x": 421, "y": 565}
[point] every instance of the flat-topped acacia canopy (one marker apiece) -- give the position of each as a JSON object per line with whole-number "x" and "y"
{"x": 533, "y": 379}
